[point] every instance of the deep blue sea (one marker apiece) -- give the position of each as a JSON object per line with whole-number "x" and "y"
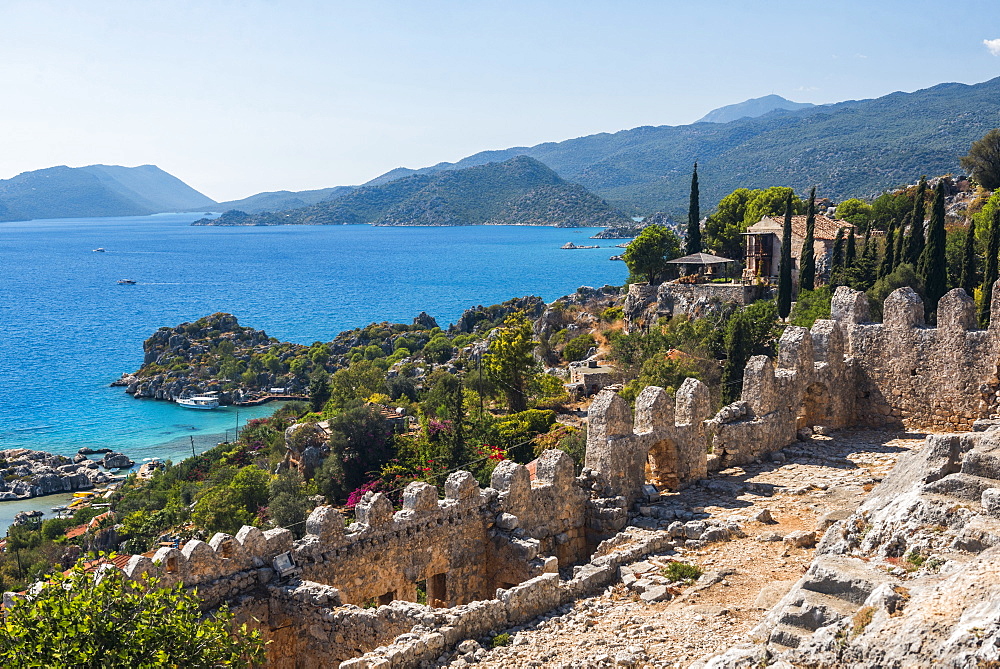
{"x": 67, "y": 329}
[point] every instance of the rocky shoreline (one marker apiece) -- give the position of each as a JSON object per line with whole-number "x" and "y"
{"x": 25, "y": 473}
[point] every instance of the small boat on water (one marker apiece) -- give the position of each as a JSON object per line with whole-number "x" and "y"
{"x": 208, "y": 401}
{"x": 126, "y": 282}
{"x": 99, "y": 249}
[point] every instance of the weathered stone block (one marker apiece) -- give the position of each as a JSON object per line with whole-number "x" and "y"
{"x": 654, "y": 410}
{"x": 956, "y": 312}
{"x": 903, "y": 309}
{"x": 326, "y": 523}
{"x": 849, "y": 306}
{"x": 461, "y": 486}
{"x": 374, "y": 510}
{"x": 555, "y": 467}
{"x": 420, "y": 497}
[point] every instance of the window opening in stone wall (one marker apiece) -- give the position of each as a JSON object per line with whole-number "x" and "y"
{"x": 815, "y": 408}
{"x": 387, "y": 598}
{"x": 661, "y": 465}
{"x": 171, "y": 565}
{"x": 422, "y": 592}
{"x": 437, "y": 590}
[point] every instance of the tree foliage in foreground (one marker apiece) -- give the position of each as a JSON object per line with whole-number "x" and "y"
{"x": 82, "y": 621}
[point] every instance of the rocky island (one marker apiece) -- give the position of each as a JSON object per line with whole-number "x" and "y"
{"x": 25, "y": 473}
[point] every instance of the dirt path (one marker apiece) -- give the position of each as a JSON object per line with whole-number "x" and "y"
{"x": 817, "y": 482}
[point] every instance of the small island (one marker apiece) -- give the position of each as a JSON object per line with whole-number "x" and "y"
{"x": 571, "y": 245}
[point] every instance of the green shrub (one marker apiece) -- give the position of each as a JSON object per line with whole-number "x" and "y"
{"x": 500, "y": 640}
{"x": 577, "y": 347}
{"x": 682, "y": 571}
{"x": 612, "y": 314}
{"x": 811, "y": 306}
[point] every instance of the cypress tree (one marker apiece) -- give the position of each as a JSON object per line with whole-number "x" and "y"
{"x": 868, "y": 252}
{"x": 785, "y": 265}
{"x": 694, "y": 216}
{"x": 967, "y": 279}
{"x": 851, "y": 254}
{"x": 807, "y": 259}
{"x": 898, "y": 257}
{"x": 990, "y": 269}
{"x": 887, "y": 258}
{"x": 915, "y": 242}
{"x": 933, "y": 262}
{"x": 837, "y": 257}
{"x": 737, "y": 354}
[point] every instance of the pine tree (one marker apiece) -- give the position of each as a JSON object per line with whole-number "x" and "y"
{"x": 886, "y": 266}
{"x": 899, "y": 256}
{"x": 785, "y": 265}
{"x": 990, "y": 270}
{"x": 807, "y": 259}
{"x": 967, "y": 279}
{"x": 915, "y": 242}
{"x": 851, "y": 254}
{"x": 933, "y": 267}
{"x": 694, "y": 216}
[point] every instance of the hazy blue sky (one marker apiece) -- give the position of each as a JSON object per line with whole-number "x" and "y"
{"x": 236, "y": 97}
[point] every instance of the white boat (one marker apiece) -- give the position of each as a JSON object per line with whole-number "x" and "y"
{"x": 99, "y": 249}
{"x": 199, "y": 402}
{"x": 126, "y": 282}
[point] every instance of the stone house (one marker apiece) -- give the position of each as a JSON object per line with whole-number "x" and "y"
{"x": 763, "y": 246}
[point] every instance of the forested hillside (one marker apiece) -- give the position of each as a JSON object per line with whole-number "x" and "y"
{"x": 849, "y": 149}
{"x": 520, "y": 191}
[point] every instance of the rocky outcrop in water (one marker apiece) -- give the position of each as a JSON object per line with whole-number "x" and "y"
{"x": 25, "y": 473}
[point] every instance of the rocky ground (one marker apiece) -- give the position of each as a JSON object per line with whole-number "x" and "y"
{"x": 782, "y": 507}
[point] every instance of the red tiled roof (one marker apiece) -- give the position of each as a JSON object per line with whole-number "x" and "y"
{"x": 825, "y": 228}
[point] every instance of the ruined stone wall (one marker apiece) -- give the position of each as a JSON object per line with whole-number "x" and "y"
{"x": 919, "y": 376}
{"x": 646, "y": 304}
{"x": 667, "y": 433}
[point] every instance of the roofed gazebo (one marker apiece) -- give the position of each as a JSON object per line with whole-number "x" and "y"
{"x": 706, "y": 263}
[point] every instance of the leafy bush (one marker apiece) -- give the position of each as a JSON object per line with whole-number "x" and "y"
{"x": 577, "y": 347}
{"x": 76, "y": 620}
{"x": 499, "y": 640}
{"x": 682, "y": 571}
{"x": 811, "y": 306}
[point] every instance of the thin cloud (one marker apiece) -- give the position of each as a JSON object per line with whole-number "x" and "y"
{"x": 993, "y": 45}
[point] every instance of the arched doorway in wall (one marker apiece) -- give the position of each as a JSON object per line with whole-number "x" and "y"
{"x": 661, "y": 465}
{"x": 816, "y": 407}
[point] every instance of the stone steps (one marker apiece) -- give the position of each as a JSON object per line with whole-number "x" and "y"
{"x": 962, "y": 486}
{"x": 834, "y": 588}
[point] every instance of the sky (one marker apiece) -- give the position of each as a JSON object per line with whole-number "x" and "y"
{"x": 242, "y": 96}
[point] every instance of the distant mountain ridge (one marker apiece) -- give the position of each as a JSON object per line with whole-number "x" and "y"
{"x": 752, "y": 109}
{"x": 283, "y": 199}
{"x": 855, "y": 148}
{"x": 519, "y": 191}
{"x": 95, "y": 190}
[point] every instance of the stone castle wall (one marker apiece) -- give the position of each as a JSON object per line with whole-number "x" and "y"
{"x": 487, "y": 558}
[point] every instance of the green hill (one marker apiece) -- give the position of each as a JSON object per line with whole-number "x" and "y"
{"x": 519, "y": 191}
{"x": 282, "y": 199}
{"x": 848, "y": 149}
{"x": 96, "y": 190}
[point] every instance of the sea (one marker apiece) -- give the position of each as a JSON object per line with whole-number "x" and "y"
{"x": 68, "y": 328}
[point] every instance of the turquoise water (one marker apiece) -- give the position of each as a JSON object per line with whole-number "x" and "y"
{"x": 67, "y": 329}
